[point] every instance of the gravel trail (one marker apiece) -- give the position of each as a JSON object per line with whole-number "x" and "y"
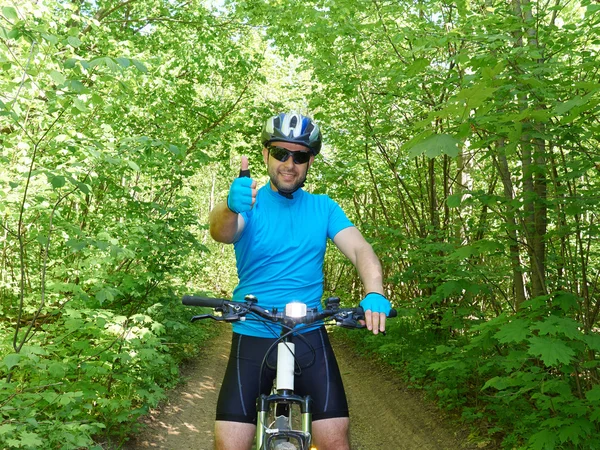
{"x": 384, "y": 413}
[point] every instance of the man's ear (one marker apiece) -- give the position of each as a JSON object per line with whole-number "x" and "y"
{"x": 266, "y": 155}
{"x": 310, "y": 161}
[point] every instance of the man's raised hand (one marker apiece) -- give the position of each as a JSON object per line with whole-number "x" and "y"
{"x": 242, "y": 193}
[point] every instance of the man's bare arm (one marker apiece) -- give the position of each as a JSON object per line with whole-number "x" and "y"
{"x": 354, "y": 246}
{"x": 225, "y": 225}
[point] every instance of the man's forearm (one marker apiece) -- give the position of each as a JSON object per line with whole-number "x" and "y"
{"x": 223, "y": 224}
{"x": 369, "y": 270}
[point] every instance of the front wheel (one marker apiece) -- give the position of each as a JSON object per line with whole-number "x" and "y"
{"x": 285, "y": 446}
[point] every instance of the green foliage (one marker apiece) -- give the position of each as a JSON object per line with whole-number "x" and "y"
{"x": 460, "y": 137}
{"x": 108, "y": 119}
{"x": 528, "y": 378}
{"x": 90, "y": 372}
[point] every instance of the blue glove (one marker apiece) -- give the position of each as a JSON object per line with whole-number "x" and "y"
{"x": 377, "y": 303}
{"x": 240, "y": 195}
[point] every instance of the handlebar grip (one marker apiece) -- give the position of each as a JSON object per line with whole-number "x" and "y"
{"x": 194, "y": 300}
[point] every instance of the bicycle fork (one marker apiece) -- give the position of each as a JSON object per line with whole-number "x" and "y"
{"x": 266, "y": 437}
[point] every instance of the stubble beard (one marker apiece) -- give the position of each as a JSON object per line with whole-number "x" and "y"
{"x": 286, "y": 188}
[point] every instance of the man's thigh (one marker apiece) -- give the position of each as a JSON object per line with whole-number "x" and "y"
{"x": 321, "y": 379}
{"x": 331, "y": 434}
{"x": 234, "y": 435}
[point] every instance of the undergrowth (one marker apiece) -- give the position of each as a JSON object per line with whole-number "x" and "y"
{"x": 87, "y": 375}
{"x": 528, "y": 380}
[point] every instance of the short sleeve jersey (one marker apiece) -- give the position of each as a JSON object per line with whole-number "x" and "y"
{"x": 281, "y": 250}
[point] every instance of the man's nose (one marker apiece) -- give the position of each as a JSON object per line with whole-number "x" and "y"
{"x": 289, "y": 162}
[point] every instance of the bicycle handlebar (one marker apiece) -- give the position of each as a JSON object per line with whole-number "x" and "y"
{"x": 193, "y": 300}
{"x": 234, "y": 311}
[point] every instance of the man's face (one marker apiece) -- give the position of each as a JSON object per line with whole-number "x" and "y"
{"x": 286, "y": 176}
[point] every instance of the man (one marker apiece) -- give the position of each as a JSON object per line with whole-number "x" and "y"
{"x": 279, "y": 234}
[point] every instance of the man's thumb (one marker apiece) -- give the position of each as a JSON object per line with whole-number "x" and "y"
{"x": 244, "y": 171}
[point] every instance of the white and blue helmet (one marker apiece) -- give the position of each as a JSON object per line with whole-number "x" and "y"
{"x": 294, "y": 128}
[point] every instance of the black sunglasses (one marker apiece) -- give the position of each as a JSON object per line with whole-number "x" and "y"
{"x": 282, "y": 154}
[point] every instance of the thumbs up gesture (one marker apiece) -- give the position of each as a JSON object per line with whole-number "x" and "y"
{"x": 242, "y": 193}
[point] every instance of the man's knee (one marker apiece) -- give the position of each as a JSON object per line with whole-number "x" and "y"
{"x": 234, "y": 435}
{"x": 332, "y": 434}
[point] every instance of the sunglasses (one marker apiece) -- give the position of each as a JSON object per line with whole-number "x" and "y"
{"x": 282, "y": 154}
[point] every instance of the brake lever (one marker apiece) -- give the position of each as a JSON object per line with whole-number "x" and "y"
{"x": 349, "y": 322}
{"x": 206, "y": 316}
{"x": 353, "y": 321}
{"x": 228, "y": 314}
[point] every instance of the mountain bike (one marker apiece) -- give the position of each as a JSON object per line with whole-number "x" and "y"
{"x": 277, "y": 427}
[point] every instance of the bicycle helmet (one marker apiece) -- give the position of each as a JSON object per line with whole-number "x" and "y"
{"x": 294, "y": 128}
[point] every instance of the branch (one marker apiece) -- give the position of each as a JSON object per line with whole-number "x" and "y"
{"x": 103, "y": 13}
{"x": 225, "y": 114}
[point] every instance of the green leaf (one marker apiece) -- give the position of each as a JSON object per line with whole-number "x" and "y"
{"x": 501, "y": 383}
{"x": 86, "y": 189}
{"x": 111, "y": 64}
{"x": 562, "y": 108}
{"x": 123, "y": 62}
{"x": 476, "y": 95}
{"x": 454, "y": 200}
{"x": 73, "y": 41}
{"x": 50, "y": 38}
{"x": 575, "y": 432}
{"x": 592, "y": 9}
{"x": 10, "y": 13}
{"x": 57, "y": 370}
{"x": 565, "y": 301}
{"x": 56, "y": 181}
{"x": 551, "y": 351}
{"x": 133, "y": 165}
{"x": 450, "y": 288}
{"x": 593, "y": 395}
{"x": 104, "y": 294}
{"x": 80, "y": 105}
{"x": 6, "y": 429}
{"x": 11, "y": 360}
{"x": 543, "y": 440}
{"x": 57, "y": 77}
{"x": 139, "y": 66}
{"x": 31, "y": 440}
{"x": 77, "y": 245}
{"x": 592, "y": 341}
{"x": 417, "y": 66}
{"x": 70, "y": 63}
{"x": 516, "y": 330}
{"x": 559, "y": 325}
{"x": 97, "y": 62}
{"x": 174, "y": 149}
{"x": 436, "y": 145}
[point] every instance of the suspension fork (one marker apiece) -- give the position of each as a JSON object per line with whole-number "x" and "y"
{"x": 284, "y": 396}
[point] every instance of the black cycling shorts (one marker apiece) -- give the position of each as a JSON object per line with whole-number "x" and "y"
{"x": 319, "y": 377}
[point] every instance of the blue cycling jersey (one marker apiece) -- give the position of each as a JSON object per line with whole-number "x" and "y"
{"x": 280, "y": 252}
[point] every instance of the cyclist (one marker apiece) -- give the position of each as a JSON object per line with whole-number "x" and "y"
{"x": 279, "y": 234}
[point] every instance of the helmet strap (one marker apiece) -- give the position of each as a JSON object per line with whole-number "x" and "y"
{"x": 288, "y": 193}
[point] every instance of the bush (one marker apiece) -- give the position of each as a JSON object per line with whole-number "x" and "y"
{"x": 90, "y": 374}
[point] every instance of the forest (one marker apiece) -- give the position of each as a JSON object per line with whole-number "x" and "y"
{"x": 460, "y": 137}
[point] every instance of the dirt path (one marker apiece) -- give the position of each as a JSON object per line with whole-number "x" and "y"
{"x": 384, "y": 414}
